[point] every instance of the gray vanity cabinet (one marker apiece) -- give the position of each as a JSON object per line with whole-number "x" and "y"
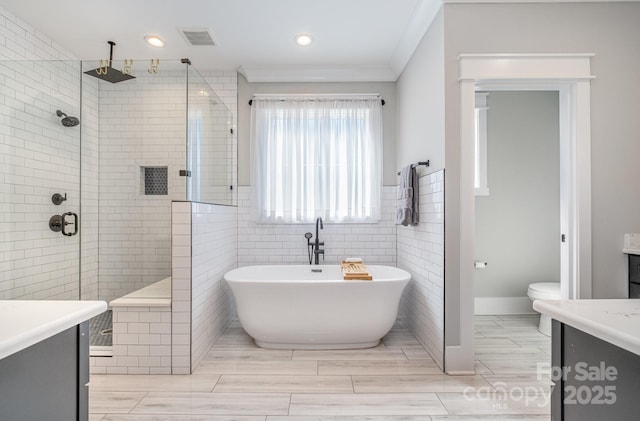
{"x": 48, "y": 380}
{"x": 593, "y": 380}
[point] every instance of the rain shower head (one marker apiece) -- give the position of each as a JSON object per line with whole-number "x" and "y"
{"x": 107, "y": 72}
{"x": 67, "y": 121}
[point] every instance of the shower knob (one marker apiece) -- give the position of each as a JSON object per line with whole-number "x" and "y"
{"x": 57, "y": 198}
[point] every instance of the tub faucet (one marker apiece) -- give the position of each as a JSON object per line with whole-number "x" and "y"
{"x": 316, "y": 245}
{"x": 317, "y": 250}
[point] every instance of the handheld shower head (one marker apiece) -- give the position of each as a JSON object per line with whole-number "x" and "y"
{"x": 67, "y": 121}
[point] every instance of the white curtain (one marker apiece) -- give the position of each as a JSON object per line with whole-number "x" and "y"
{"x": 317, "y": 157}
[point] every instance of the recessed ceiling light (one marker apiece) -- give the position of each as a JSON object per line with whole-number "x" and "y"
{"x": 303, "y": 40}
{"x": 154, "y": 41}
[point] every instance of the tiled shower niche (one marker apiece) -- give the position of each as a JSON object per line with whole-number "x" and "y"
{"x": 155, "y": 181}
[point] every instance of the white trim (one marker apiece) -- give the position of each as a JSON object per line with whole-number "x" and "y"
{"x": 481, "y": 144}
{"x": 570, "y": 74}
{"x": 503, "y": 305}
{"x": 457, "y": 360}
{"x": 100, "y": 351}
{"x": 461, "y": 373}
{"x": 421, "y": 20}
{"x": 319, "y": 73}
{"x": 479, "y": 67}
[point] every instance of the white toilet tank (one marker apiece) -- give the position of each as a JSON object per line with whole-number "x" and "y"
{"x": 544, "y": 291}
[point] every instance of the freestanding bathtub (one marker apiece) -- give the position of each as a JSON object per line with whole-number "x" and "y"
{"x": 296, "y": 307}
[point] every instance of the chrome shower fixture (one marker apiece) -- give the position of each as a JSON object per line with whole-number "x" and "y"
{"x": 66, "y": 120}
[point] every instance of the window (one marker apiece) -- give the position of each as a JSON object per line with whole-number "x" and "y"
{"x": 317, "y": 157}
{"x": 480, "y": 181}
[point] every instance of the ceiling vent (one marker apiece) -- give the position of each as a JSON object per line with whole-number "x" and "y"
{"x": 198, "y": 36}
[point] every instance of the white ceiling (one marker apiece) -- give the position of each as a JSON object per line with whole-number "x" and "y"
{"x": 354, "y": 40}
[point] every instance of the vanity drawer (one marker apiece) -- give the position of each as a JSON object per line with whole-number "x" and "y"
{"x": 634, "y": 269}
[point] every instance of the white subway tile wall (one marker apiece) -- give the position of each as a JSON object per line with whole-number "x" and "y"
{"x": 21, "y": 41}
{"x": 38, "y": 157}
{"x": 285, "y": 243}
{"x": 89, "y": 179}
{"x": 214, "y": 251}
{"x": 204, "y": 248}
{"x": 421, "y": 253}
{"x": 141, "y": 342}
{"x": 181, "y": 288}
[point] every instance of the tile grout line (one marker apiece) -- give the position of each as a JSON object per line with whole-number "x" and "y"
{"x": 216, "y": 384}
{"x": 138, "y": 403}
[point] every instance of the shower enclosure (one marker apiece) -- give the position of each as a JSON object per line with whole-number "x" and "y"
{"x": 89, "y": 168}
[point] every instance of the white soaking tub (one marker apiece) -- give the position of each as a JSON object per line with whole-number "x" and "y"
{"x": 295, "y": 307}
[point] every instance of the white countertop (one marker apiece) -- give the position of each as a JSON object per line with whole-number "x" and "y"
{"x": 25, "y": 323}
{"x": 631, "y": 251}
{"x": 614, "y": 321}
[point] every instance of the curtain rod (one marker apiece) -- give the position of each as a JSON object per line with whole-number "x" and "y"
{"x": 314, "y": 95}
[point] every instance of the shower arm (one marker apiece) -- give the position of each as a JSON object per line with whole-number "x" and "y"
{"x": 111, "y": 44}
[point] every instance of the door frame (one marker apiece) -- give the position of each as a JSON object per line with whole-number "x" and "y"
{"x": 570, "y": 75}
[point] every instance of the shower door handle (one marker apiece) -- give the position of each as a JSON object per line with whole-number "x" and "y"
{"x": 58, "y": 223}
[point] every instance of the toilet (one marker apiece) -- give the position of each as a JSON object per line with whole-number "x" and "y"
{"x": 544, "y": 291}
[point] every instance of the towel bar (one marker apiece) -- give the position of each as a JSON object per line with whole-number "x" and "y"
{"x": 425, "y": 163}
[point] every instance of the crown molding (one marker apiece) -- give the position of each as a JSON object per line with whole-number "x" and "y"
{"x": 423, "y": 16}
{"x": 256, "y": 74}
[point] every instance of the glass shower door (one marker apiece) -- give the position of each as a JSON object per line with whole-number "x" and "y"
{"x": 39, "y": 180}
{"x": 210, "y": 146}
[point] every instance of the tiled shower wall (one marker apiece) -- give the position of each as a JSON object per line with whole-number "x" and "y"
{"x": 142, "y": 123}
{"x": 204, "y": 248}
{"x": 286, "y": 244}
{"x": 38, "y": 157}
{"x": 421, "y": 253}
{"x": 214, "y": 242}
{"x": 89, "y": 179}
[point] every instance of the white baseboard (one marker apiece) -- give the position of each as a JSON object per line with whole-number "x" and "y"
{"x": 486, "y": 306}
{"x": 459, "y": 361}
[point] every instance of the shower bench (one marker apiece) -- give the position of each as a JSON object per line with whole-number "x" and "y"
{"x": 141, "y": 333}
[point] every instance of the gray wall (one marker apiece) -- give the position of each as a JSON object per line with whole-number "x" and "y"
{"x": 246, "y": 90}
{"x": 420, "y": 136}
{"x": 611, "y": 31}
{"x": 518, "y": 224}
{"x": 420, "y": 111}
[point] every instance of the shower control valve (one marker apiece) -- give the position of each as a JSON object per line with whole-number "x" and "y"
{"x": 57, "y": 198}
{"x": 58, "y": 223}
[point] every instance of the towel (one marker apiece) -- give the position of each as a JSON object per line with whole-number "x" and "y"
{"x": 407, "y": 210}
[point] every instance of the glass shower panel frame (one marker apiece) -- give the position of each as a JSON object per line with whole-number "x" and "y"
{"x": 210, "y": 152}
{"x": 39, "y": 157}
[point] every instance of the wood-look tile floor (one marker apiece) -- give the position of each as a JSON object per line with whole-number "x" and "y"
{"x": 397, "y": 380}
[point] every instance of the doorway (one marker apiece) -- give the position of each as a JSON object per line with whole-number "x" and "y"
{"x": 517, "y": 207}
{"x": 570, "y": 75}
